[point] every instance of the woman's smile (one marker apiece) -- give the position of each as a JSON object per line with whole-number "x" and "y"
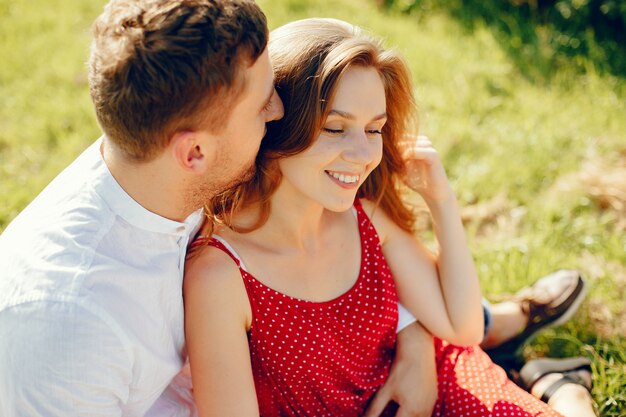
{"x": 345, "y": 180}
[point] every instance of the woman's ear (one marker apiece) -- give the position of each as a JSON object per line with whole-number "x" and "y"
{"x": 192, "y": 151}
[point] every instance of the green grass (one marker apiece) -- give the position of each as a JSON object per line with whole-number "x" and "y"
{"x": 523, "y": 146}
{"x": 45, "y": 110}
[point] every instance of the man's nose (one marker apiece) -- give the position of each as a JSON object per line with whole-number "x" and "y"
{"x": 278, "y": 110}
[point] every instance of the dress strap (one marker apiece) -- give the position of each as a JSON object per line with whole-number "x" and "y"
{"x": 357, "y": 209}
{"x": 221, "y": 244}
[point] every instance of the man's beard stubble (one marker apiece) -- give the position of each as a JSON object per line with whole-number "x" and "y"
{"x": 204, "y": 189}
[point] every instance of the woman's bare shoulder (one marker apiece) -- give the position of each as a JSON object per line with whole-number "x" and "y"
{"x": 209, "y": 268}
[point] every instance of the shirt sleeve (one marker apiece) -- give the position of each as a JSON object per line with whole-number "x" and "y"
{"x": 60, "y": 359}
{"x": 404, "y": 318}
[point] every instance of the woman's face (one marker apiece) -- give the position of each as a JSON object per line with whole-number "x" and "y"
{"x": 349, "y": 146}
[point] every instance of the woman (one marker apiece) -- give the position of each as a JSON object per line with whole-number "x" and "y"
{"x": 291, "y": 305}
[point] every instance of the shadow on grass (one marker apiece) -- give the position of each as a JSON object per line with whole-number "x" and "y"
{"x": 542, "y": 35}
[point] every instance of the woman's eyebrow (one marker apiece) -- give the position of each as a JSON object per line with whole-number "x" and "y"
{"x": 350, "y": 116}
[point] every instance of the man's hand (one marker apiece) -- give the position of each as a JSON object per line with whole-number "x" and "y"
{"x": 412, "y": 381}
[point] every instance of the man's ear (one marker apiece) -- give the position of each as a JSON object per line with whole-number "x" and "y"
{"x": 192, "y": 151}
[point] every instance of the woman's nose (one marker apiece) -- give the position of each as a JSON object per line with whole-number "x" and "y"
{"x": 360, "y": 148}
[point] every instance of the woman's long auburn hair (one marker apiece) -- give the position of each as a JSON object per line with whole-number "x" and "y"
{"x": 309, "y": 58}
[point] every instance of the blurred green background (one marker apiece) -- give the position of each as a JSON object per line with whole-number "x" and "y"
{"x": 525, "y": 99}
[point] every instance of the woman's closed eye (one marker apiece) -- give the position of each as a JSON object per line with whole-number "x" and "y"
{"x": 332, "y": 131}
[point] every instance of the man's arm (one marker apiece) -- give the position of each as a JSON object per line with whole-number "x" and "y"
{"x": 58, "y": 359}
{"x": 412, "y": 382}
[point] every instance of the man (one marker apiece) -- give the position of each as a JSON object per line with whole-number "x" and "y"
{"x": 91, "y": 312}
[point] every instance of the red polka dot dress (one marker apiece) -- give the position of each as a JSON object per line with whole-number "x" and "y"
{"x": 329, "y": 358}
{"x": 322, "y": 358}
{"x": 471, "y": 385}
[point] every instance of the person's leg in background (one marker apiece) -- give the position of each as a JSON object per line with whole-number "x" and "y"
{"x": 550, "y": 301}
{"x": 509, "y": 325}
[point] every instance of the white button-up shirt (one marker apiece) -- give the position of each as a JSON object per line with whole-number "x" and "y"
{"x": 91, "y": 308}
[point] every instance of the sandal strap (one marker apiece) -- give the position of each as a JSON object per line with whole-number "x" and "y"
{"x": 536, "y": 369}
{"x": 565, "y": 379}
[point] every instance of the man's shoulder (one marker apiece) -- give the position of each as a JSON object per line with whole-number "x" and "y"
{"x": 42, "y": 254}
{"x": 54, "y": 236}
{"x": 70, "y": 192}
{"x": 66, "y": 211}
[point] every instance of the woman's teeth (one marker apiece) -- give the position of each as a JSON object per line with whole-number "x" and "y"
{"x": 347, "y": 179}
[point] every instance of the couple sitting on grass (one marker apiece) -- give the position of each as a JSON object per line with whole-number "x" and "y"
{"x": 292, "y": 287}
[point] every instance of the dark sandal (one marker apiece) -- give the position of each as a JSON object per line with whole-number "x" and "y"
{"x": 535, "y": 369}
{"x": 542, "y": 312}
{"x": 565, "y": 379}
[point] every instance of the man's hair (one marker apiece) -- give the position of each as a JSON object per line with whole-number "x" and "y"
{"x": 162, "y": 66}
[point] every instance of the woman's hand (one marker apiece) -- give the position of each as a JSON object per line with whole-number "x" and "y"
{"x": 425, "y": 173}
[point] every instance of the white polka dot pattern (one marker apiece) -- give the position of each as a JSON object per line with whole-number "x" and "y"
{"x": 471, "y": 385}
{"x": 324, "y": 358}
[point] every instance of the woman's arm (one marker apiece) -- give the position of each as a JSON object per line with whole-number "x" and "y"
{"x": 441, "y": 290}
{"x": 217, "y": 316}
